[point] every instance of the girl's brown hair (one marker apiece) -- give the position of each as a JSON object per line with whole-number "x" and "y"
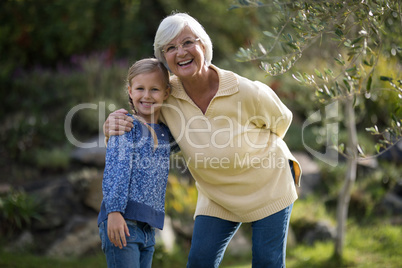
{"x": 147, "y": 65}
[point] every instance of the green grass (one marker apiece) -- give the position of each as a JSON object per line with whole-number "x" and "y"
{"x": 21, "y": 260}
{"x": 368, "y": 246}
{"x": 374, "y": 243}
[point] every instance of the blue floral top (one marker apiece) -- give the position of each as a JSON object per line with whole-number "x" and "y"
{"x": 135, "y": 176}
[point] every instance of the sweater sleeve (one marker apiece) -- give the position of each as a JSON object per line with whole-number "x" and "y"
{"x": 116, "y": 177}
{"x": 272, "y": 112}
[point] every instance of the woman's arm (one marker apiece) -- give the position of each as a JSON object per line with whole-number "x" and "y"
{"x": 117, "y": 123}
{"x": 277, "y": 117}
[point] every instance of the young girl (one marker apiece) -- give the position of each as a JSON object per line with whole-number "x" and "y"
{"x": 136, "y": 172}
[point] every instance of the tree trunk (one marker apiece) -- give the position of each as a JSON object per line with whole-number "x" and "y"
{"x": 350, "y": 177}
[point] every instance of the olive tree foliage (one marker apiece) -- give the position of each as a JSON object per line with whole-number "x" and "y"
{"x": 356, "y": 35}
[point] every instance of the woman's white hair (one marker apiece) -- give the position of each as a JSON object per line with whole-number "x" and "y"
{"x": 171, "y": 26}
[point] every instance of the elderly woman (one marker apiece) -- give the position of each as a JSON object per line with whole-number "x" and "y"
{"x": 230, "y": 131}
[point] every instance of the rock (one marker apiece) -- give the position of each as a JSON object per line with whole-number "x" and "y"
{"x": 392, "y": 203}
{"x": 82, "y": 236}
{"x": 88, "y": 185}
{"x": 59, "y": 201}
{"x": 322, "y": 231}
{"x": 5, "y": 188}
{"x": 94, "y": 155}
{"x": 23, "y": 243}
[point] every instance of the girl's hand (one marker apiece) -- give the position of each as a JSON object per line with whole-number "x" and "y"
{"x": 117, "y": 123}
{"x": 117, "y": 229}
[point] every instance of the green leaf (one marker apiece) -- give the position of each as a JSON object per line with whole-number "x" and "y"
{"x": 369, "y": 81}
{"x": 360, "y": 149}
{"x": 340, "y": 61}
{"x": 314, "y": 27}
{"x": 394, "y": 118}
{"x": 269, "y": 34}
{"x": 318, "y": 73}
{"x": 385, "y": 78}
{"x": 351, "y": 70}
{"x": 339, "y": 33}
{"x": 378, "y": 147}
{"x": 357, "y": 40}
{"x": 341, "y": 147}
{"x": 329, "y": 72}
{"x": 292, "y": 45}
{"x": 373, "y": 130}
{"x": 347, "y": 43}
{"x": 365, "y": 62}
{"x": 299, "y": 77}
{"x": 345, "y": 81}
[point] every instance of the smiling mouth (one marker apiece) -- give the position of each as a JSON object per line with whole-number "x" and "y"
{"x": 146, "y": 104}
{"x": 184, "y": 63}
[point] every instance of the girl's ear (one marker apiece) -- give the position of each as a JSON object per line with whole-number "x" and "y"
{"x": 129, "y": 90}
{"x": 167, "y": 92}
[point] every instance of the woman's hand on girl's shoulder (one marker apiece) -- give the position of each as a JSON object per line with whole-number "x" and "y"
{"x": 117, "y": 123}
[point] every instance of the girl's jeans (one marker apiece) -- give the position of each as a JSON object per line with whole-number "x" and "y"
{"x": 139, "y": 250}
{"x": 212, "y": 235}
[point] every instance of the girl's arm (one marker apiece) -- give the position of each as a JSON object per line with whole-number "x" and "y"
{"x": 116, "y": 177}
{"x": 115, "y": 185}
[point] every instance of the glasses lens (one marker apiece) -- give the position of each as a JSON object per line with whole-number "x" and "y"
{"x": 186, "y": 45}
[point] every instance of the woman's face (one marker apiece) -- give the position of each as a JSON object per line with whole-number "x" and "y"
{"x": 185, "y": 62}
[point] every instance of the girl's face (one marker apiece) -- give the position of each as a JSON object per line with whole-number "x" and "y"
{"x": 148, "y": 91}
{"x": 185, "y": 62}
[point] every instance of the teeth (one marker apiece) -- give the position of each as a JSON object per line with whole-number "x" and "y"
{"x": 184, "y": 62}
{"x": 146, "y": 103}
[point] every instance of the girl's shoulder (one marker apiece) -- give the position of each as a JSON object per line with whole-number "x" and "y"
{"x": 136, "y": 130}
{"x": 165, "y": 128}
{"x": 136, "y": 121}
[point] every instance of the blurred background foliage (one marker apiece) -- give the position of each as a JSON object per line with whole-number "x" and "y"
{"x": 55, "y": 55}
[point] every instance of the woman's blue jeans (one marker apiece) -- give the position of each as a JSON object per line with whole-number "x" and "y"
{"x": 139, "y": 250}
{"x": 212, "y": 235}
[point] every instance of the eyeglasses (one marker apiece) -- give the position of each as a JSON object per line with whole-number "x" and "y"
{"x": 187, "y": 44}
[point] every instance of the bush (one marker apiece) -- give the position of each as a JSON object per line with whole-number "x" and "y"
{"x": 18, "y": 210}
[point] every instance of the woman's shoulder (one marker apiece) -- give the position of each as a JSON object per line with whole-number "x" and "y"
{"x": 230, "y": 77}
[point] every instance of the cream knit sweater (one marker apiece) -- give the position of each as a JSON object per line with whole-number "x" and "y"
{"x": 235, "y": 151}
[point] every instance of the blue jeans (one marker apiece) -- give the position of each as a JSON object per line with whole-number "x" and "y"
{"x": 139, "y": 250}
{"x": 212, "y": 235}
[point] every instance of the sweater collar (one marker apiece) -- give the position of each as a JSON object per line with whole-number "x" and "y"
{"x": 228, "y": 84}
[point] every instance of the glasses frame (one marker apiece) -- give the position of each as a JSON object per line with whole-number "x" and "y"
{"x": 176, "y": 47}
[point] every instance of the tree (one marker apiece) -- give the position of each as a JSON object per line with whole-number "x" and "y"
{"x": 357, "y": 35}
